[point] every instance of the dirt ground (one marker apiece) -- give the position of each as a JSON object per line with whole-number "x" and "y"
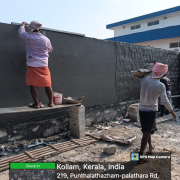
{"x": 167, "y": 136}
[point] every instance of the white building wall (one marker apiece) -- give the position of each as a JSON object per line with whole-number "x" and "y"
{"x": 163, "y": 44}
{"x": 171, "y": 20}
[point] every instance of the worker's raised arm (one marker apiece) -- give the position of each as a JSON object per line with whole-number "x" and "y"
{"x": 166, "y": 102}
{"x": 22, "y": 32}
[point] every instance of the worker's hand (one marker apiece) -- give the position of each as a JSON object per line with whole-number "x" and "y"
{"x": 24, "y": 23}
{"x": 173, "y": 115}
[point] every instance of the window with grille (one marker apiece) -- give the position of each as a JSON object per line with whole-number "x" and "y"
{"x": 153, "y": 23}
{"x": 136, "y": 27}
{"x": 174, "y": 45}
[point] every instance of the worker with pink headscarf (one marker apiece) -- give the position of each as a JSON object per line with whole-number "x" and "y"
{"x": 151, "y": 89}
{"x": 38, "y": 48}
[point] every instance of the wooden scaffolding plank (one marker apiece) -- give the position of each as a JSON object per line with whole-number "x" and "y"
{"x": 54, "y": 147}
{"x": 29, "y": 153}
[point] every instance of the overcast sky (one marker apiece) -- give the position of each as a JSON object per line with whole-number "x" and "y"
{"x": 88, "y": 17}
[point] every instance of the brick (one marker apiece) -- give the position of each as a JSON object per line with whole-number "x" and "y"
{"x": 75, "y": 115}
{"x": 107, "y": 111}
{"x": 3, "y": 134}
{"x": 89, "y": 121}
{"x": 77, "y": 122}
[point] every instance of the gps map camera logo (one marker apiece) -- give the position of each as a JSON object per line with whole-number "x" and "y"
{"x": 134, "y": 156}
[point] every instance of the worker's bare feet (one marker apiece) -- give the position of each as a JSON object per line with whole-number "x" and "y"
{"x": 35, "y": 105}
{"x": 50, "y": 104}
{"x": 151, "y": 149}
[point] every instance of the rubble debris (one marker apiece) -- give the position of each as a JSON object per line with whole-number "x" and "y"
{"x": 11, "y": 139}
{"x": 3, "y": 153}
{"x": 89, "y": 121}
{"x": 16, "y": 150}
{"x": 9, "y": 150}
{"x": 3, "y": 134}
{"x": 118, "y": 139}
{"x": 127, "y": 120}
{"x": 121, "y": 122}
{"x": 177, "y": 109}
{"x": 119, "y": 118}
{"x": 24, "y": 145}
{"x": 68, "y": 135}
{"x": 93, "y": 133}
{"x": 137, "y": 124}
{"x": 100, "y": 127}
{"x": 116, "y": 123}
{"x": 36, "y": 143}
{"x": 47, "y": 144}
{"x": 35, "y": 129}
{"x": 123, "y": 107}
{"x": 127, "y": 112}
{"x": 106, "y": 112}
{"x": 164, "y": 149}
{"x": 98, "y": 114}
{"x": 111, "y": 149}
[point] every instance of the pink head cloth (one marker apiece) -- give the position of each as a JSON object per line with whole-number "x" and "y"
{"x": 34, "y": 25}
{"x": 159, "y": 70}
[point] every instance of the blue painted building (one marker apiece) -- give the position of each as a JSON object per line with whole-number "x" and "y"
{"x": 159, "y": 29}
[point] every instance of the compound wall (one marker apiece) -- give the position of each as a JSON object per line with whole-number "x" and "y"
{"x": 97, "y": 69}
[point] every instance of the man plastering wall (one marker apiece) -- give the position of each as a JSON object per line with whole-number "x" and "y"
{"x": 37, "y": 48}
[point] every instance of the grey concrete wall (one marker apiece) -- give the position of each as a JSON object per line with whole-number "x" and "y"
{"x": 79, "y": 66}
{"x": 97, "y": 69}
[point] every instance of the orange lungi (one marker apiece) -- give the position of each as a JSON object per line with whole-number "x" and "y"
{"x": 38, "y": 76}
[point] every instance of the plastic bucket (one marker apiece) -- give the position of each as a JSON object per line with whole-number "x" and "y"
{"x": 57, "y": 98}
